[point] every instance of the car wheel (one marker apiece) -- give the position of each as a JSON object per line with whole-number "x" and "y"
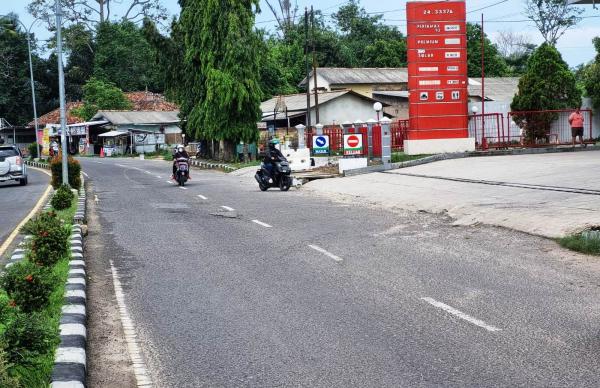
{"x": 23, "y": 181}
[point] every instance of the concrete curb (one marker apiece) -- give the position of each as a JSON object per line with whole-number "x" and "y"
{"x": 437, "y": 158}
{"x": 37, "y": 164}
{"x": 211, "y": 166}
{"x": 70, "y": 358}
{"x": 70, "y": 362}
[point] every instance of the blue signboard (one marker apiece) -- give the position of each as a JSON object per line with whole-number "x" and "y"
{"x": 320, "y": 144}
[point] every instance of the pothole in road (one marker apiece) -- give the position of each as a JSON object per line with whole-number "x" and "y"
{"x": 225, "y": 213}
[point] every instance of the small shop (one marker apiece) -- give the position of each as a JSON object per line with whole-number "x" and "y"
{"x": 114, "y": 142}
{"x": 79, "y": 139}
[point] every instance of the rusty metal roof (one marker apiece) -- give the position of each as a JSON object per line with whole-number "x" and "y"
{"x": 362, "y": 75}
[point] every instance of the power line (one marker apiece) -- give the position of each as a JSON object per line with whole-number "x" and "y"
{"x": 488, "y": 6}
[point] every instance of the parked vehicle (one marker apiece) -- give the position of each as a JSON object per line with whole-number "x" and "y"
{"x": 182, "y": 174}
{"x": 281, "y": 176}
{"x": 12, "y": 165}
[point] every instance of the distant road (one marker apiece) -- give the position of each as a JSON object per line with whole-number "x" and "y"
{"x": 17, "y": 201}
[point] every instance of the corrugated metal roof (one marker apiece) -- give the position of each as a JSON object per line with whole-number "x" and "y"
{"x": 296, "y": 103}
{"x": 362, "y": 75}
{"x": 138, "y": 117}
{"x": 496, "y": 88}
{"x": 391, "y": 93}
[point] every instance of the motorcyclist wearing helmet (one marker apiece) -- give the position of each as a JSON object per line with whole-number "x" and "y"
{"x": 272, "y": 156}
{"x": 180, "y": 152}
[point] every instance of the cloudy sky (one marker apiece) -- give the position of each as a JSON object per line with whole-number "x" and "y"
{"x": 575, "y": 46}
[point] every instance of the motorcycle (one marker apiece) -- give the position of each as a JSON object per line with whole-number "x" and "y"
{"x": 183, "y": 171}
{"x": 281, "y": 177}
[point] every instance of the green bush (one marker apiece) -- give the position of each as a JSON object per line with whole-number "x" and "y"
{"x": 28, "y": 285}
{"x": 29, "y": 336}
{"x": 6, "y": 380}
{"x": 47, "y": 247}
{"x": 63, "y": 198}
{"x": 33, "y": 150}
{"x": 44, "y": 221}
{"x": 74, "y": 172}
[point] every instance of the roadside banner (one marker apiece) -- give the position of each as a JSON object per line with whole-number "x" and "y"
{"x": 353, "y": 144}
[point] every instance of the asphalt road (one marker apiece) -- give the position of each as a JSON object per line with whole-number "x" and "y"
{"x": 285, "y": 289}
{"x": 17, "y": 201}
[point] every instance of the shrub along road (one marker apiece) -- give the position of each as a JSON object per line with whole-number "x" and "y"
{"x": 17, "y": 201}
{"x": 229, "y": 286}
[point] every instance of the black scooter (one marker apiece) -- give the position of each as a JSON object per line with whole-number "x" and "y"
{"x": 281, "y": 176}
{"x": 183, "y": 170}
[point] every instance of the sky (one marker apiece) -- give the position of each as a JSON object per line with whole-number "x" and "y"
{"x": 575, "y": 46}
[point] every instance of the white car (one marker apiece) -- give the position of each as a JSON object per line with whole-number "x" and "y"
{"x": 12, "y": 165}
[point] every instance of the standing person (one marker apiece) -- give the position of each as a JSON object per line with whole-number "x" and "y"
{"x": 576, "y": 122}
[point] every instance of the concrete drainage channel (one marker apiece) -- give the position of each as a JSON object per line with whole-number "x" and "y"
{"x": 70, "y": 359}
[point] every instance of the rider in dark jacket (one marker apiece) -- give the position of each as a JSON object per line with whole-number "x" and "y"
{"x": 272, "y": 156}
{"x": 180, "y": 153}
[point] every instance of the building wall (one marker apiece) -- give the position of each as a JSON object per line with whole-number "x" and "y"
{"x": 345, "y": 108}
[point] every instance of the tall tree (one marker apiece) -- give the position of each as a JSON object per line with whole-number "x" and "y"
{"x": 515, "y": 48}
{"x": 80, "y": 49}
{"x": 168, "y": 53}
{"x": 591, "y": 76}
{"x": 124, "y": 56}
{"x": 285, "y": 16}
{"x": 552, "y": 17}
{"x": 495, "y": 66}
{"x": 92, "y": 13}
{"x": 15, "y": 89}
{"x": 548, "y": 84}
{"x": 222, "y": 92}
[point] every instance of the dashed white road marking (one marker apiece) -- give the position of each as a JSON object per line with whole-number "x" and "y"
{"x": 326, "y": 253}
{"x": 147, "y": 172}
{"x": 460, "y": 314}
{"x": 262, "y": 223}
{"x": 120, "y": 165}
{"x": 183, "y": 188}
{"x": 169, "y": 182}
{"x": 159, "y": 177}
{"x": 85, "y": 174}
{"x": 139, "y": 366}
{"x": 229, "y": 209}
{"x": 202, "y": 197}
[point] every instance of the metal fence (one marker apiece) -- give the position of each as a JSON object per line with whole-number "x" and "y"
{"x": 526, "y": 129}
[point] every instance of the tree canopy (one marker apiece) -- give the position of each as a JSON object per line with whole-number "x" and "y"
{"x": 591, "y": 76}
{"x": 552, "y": 17}
{"x": 548, "y": 84}
{"x": 101, "y": 95}
{"x": 221, "y": 94}
{"x": 495, "y": 65}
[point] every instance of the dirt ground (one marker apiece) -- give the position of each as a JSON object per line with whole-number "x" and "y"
{"x": 108, "y": 360}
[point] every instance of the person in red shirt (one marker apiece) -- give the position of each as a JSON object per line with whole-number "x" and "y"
{"x": 576, "y": 122}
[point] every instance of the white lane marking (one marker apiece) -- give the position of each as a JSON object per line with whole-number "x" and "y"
{"x": 120, "y": 165}
{"x": 183, "y": 188}
{"x": 139, "y": 366}
{"x": 147, "y": 172}
{"x": 85, "y": 174}
{"x": 229, "y": 209}
{"x": 460, "y": 314}
{"x": 168, "y": 181}
{"x": 326, "y": 253}
{"x": 202, "y": 197}
{"x": 159, "y": 177}
{"x": 262, "y": 223}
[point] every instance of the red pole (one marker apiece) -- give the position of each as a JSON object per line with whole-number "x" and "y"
{"x": 482, "y": 82}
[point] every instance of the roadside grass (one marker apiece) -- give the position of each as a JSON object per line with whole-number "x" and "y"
{"x": 398, "y": 157}
{"x": 36, "y": 371}
{"x": 67, "y": 214}
{"x": 579, "y": 243}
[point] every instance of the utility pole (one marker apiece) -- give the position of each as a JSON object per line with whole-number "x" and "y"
{"x": 61, "y": 88}
{"x": 35, "y": 117}
{"x": 307, "y": 68}
{"x": 314, "y": 60}
{"x": 482, "y": 81}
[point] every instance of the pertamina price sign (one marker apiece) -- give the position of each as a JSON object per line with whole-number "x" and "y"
{"x": 353, "y": 144}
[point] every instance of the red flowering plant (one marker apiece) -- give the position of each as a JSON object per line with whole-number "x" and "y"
{"x": 28, "y": 285}
{"x": 50, "y": 239}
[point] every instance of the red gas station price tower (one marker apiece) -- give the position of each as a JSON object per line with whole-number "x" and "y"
{"x": 437, "y": 78}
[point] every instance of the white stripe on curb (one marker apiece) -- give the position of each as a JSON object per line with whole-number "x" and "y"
{"x": 72, "y": 329}
{"x": 73, "y": 309}
{"x": 67, "y": 384}
{"x": 72, "y": 355}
